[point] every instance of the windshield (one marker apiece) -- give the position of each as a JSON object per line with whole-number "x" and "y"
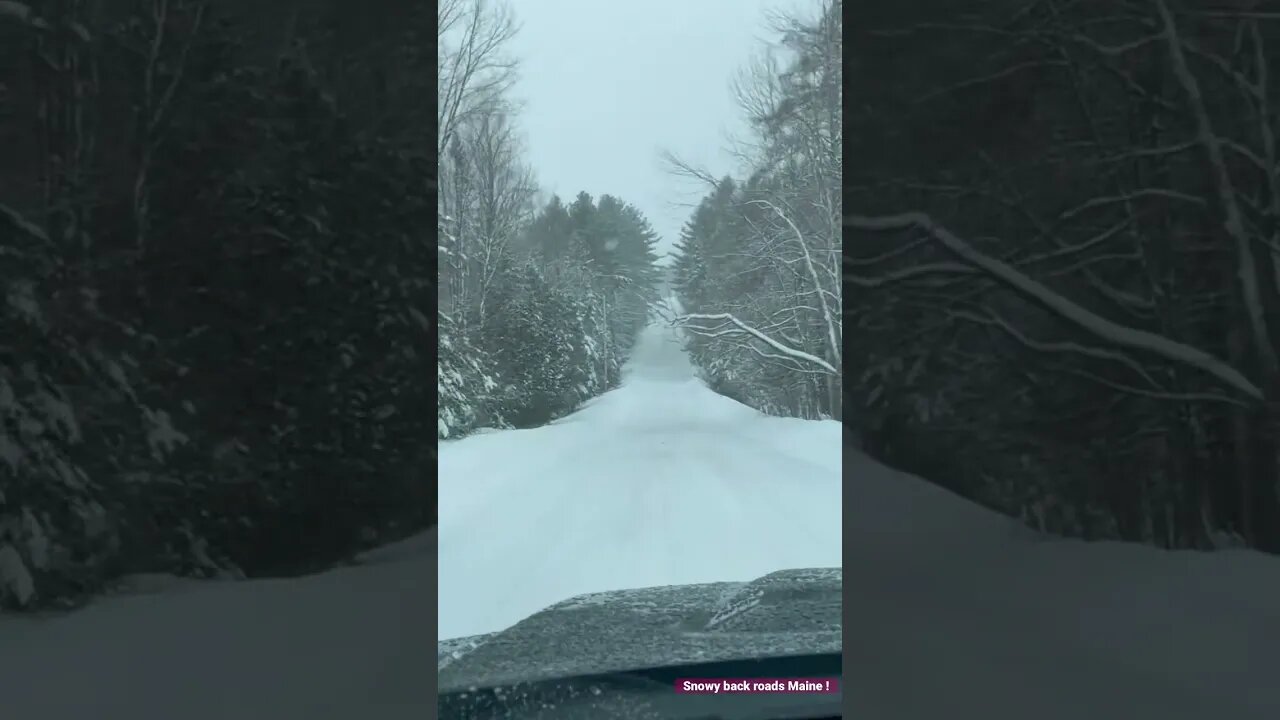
{"x": 640, "y": 325}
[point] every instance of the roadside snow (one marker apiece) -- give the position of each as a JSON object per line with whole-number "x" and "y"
{"x": 351, "y": 643}
{"x": 959, "y": 610}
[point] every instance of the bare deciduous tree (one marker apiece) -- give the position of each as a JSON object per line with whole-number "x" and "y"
{"x": 473, "y": 71}
{"x": 766, "y": 254}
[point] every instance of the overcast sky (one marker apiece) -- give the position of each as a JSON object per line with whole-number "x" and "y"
{"x": 608, "y": 84}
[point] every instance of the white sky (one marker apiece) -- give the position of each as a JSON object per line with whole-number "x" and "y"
{"x": 608, "y": 85}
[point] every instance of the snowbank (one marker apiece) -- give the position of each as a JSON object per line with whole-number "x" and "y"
{"x": 351, "y": 643}
{"x": 954, "y": 608}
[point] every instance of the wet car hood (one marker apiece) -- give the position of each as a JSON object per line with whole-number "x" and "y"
{"x": 792, "y": 612}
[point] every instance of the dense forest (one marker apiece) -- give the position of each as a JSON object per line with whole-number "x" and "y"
{"x": 1063, "y": 262}
{"x": 758, "y": 268}
{"x": 534, "y": 322}
{"x": 214, "y": 253}
{"x": 538, "y": 302}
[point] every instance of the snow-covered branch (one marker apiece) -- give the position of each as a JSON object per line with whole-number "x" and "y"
{"x": 1079, "y": 316}
{"x": 830, "y": 320}
{"x": 1072, "y": 348}
{"x": 1233, "y": 220}
{"x": 743, "y": 328}
{"x": 910, "y": 273}
{"x": 23, "y": 225}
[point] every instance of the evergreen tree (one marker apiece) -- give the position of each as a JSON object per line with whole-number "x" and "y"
{"x": 216, "y": 342}
{"x": 533, "y": 337}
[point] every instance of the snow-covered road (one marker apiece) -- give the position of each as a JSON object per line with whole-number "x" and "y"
{"x": 659, "y": 482}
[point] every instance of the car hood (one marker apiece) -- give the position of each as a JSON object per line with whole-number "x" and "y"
{"x": 792, "y": 612}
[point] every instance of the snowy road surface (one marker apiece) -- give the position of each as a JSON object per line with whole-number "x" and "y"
{"x": 659, "y": 482}
{"x": 351, "y": 643}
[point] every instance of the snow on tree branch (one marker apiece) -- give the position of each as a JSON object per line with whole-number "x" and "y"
{"x": 828, "y": 318}
{"x": 993, "y": 319}
{"x": 1233, "y": 219}
{"x": 743, "y": 328}
{"x": 15, "y": 219}
{"x": 1079, "y": 316}
{"x": 926, "y": 270}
